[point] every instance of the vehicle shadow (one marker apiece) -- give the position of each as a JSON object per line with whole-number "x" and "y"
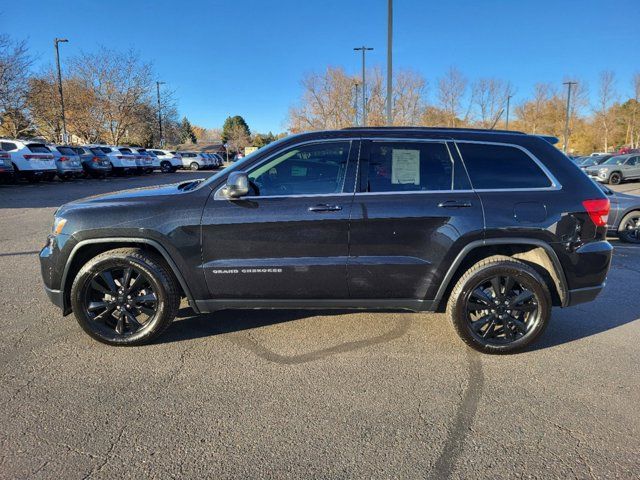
{"x": 192, "y": 326}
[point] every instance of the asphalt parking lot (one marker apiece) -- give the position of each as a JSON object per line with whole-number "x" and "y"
{"x": 295, "y": 394}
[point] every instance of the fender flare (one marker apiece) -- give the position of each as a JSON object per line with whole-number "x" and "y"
{"x": 559, "y": 272}
{"x": 153, "y": 243}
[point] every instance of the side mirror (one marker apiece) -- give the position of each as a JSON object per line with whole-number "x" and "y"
{"x": 237, "y": 185}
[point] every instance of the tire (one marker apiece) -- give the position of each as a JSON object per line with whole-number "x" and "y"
{"x": 153, "y": 302}
{"x": 507, "y": 329}
{"x": 166, "y": 167}
{"x": 194, "y": 166}
{"x": 615, "y": 178}
{"x": 629, "y": 229}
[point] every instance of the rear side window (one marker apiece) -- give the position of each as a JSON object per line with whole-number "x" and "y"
{"x": 501, "y": 167}
{"x": 8, "y": 146}
{"x": 38, "y": 148}
{"x": 409, "y": 166}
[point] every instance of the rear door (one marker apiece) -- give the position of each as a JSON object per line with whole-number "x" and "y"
{"x": 634, "y": 167}
{"x": 413, "y": 207}
{"x": 288, "y": 239}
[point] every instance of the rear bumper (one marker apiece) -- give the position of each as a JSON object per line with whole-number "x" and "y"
{"x": 583, "y": 295}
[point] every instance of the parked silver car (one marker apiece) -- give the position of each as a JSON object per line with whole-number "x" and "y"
{"x": 68, "y": 163}
{"x": 617, "y": 169}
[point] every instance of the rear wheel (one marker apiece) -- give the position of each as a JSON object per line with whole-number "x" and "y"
{"x": 629, "y": 229}
{"x": 166, "y": 167}
{"x": 194, "y": 166}
{"x": 125, "y": 297}
{"x": 500, "y": 305}
{"x": 615, "y": 178}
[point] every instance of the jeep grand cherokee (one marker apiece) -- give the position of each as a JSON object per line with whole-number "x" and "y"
{"x": 496, "y": 227}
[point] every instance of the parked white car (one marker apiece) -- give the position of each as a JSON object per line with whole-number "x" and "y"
{"x": 169, "y": 161}
{"x": 143, "y": 162}
{"x": 152, "y": 159}
{"x": 120, "y": 162}
{"x": 30, "y": 160}
{"x": 194, "y": 160}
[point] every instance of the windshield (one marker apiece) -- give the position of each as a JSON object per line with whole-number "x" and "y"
{"x": 619, "y": 160}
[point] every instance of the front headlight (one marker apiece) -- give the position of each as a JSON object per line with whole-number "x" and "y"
{"x": 58, "y": 225}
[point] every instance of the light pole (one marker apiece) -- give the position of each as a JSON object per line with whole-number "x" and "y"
{"x": 355, "y": 104}
{"x": 160, "y": 113}
{"x": 566, "y": 122}
{"x": 508, "y": 102}
{"x": 364, "y": 85}
{"x": 389, "y": 61}
{"x": 56, "y": 41}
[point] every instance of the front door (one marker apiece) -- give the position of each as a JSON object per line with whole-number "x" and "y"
{"x": 414, "y": 203}
{"x": 288, "y": 238}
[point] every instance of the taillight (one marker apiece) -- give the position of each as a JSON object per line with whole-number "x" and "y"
{"x": 95, "y": 159}
{"x": 598, "y": 210}
{"x": 63, "y": 159}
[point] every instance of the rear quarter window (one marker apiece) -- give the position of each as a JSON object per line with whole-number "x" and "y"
{"x": 501, "y": 167}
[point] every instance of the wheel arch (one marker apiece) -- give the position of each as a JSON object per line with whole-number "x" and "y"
{"x": 87, "y": 249}
{"x": 534, "y": 252}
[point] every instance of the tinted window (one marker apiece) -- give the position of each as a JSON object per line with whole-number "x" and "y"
{"x": 409, "y": 166}
{"x": 97, "y": 151}
{"x": 125, "y": 150}
{"x": 66, "y": 151}
{"x": 38, "y": 148}
{"x": 8, "y": 146}
{"x": 304, "y": 170}
{"x": 499, "y": 167}
{"x": 105, "y": 149}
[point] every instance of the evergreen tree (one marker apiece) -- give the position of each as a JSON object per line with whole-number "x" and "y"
{"x": 186, "y": 132}
{"x": 230, "y": 123}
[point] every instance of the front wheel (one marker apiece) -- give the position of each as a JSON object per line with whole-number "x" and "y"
{"x": 629, "y": 230}
{"x": 615, "y": 178}
{"x": 500, "y": 305}
{"x": 125, "y": 297}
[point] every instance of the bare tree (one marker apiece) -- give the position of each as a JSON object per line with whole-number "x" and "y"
{"x": 490, "y": 99}
{"x": 452, "y": 89}
{"x": 531, "y": 112}
{"x": 15, "y": 63}
{"x": 121, "y": 84}
{"x": 606, "y": 98}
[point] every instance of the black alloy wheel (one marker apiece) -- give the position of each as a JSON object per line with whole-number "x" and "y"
{"x": 629, "y": 230}
{"x": 125, "y": 296}
{"x": 166, "y": 167}
{"x": 120, "y": 300}
{"x": 500, "y": 305}
{"x": 500, "y": 310}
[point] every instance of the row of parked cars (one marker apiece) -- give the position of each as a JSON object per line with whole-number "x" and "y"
{"x": 34, "y": 161}
{"x": 610, "y": 167}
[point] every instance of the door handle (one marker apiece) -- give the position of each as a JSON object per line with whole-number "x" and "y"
{"x": 325, "y": 208}
{"x": 454, "y": 204}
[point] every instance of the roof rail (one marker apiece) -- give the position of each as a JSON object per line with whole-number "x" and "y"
{"x": 438, "y": 129}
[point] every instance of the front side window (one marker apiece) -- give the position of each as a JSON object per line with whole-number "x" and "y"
{"x": 409, "y": 166}
{"x": 305, "y": 170}
{"x": 501, "y": 167}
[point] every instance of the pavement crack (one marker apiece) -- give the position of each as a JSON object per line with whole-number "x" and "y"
{"x": 462, "y": 421}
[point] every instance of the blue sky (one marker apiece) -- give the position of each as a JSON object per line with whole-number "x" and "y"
{"x": 247, "y": 57}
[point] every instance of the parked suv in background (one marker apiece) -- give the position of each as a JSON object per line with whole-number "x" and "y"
{"x": 32, "y": 161}
{"x": 94, "y": 161}
{"x": 144, "y": 162}
{"x": 169, "y": 161}
{"x": 120, "y": 162}
{"x": 67, "y": 161}
{"x": 497, "y": 227}
{"x": 193, "y": 160}
{"x": 616, "y": 169}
